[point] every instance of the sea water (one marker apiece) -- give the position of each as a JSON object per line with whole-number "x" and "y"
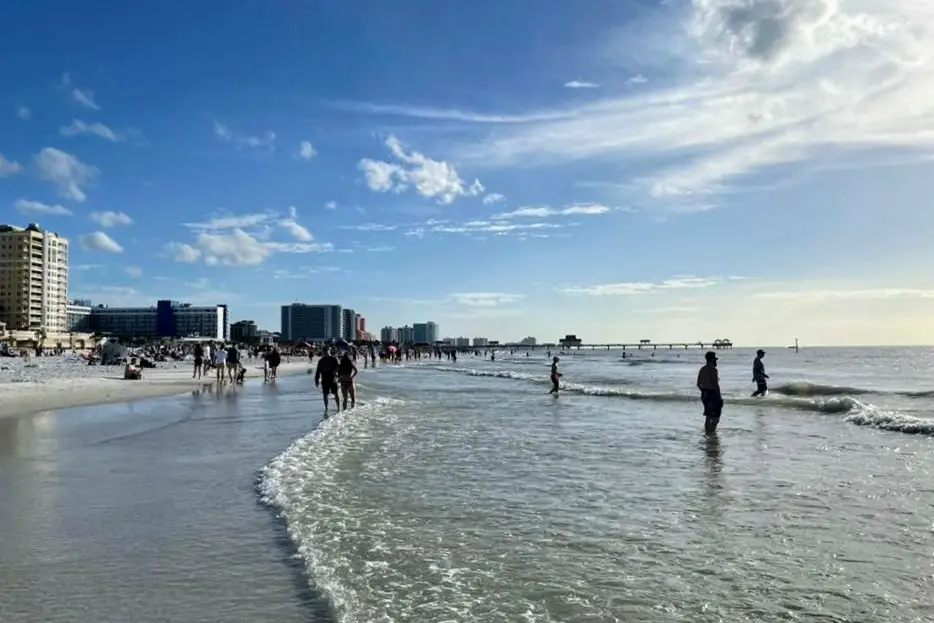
{"x": 463, "y": 492}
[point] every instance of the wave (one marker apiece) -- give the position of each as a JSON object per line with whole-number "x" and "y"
{"x": 305, "y": 485}
{"x": 803, "y": 396}
{"x": 806, "y": 388}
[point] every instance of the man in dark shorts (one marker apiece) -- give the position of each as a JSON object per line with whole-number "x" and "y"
{"x": 708, "y": 382}
{"x": 199, "y": 360}
{"x": 326, "y": 378}
{"x": 759, "y": 376}
{"x": 273, "y": 359}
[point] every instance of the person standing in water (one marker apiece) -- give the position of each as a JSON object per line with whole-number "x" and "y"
{"x": 708, "y": 382}
{"x": 759, "y": 376}
{"x": 346, "y": 373}
{"x": 326, "y": 378}
{"x": 555, "y": 376}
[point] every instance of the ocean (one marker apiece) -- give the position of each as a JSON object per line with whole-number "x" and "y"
{"x": 462, "y": 492}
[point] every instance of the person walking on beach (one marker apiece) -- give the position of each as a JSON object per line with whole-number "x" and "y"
{"x": 346, "y": 373}
{"x": 708, "y": 382}
{"x": 555, "y": 376}
{"x": 233, "y": 362}
{"x": 220, "y": 362}
{"x": 326, "y": 378}
{"x": 759, "y": 376}
{"x": 199, "y": 360}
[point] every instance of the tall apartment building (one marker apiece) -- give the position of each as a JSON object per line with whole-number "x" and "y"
{"x": 425, "y": 332}
{"x": 33, "y": 279}
{"x": 311, "y": 322}
{"x": 349, "y": 324}
{"x": 480, "y": 341}
{"x": 462, "y": 342}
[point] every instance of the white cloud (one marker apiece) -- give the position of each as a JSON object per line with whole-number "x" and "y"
{"x": 224, "y": 220}
{"x": 99, "y": 241}
{"x": 224, "y": 133}
{"x": 65, "y": 171}
{"x": 242, "y": 240}
{"x": 236, "y": 248}
{"x": 34, "y": 207}
{"x": 111, "y": 219}
{"x": 306, "y": 151}
{"x": 440, "y": 114}
{"x": 23, "y": 113}
{"x": 133, "y": 271}
{"x": 583, "y": 209}
{"x": 485, "y": 299}
{"x": 495, "y": 227}
{"x": 83, "y": 97}
{"x": 380, "y": 249}
{"x": 181, "y": 252}
{"x": 330, "y": 205}
{"x": 431, "y": 179}
{"x": 637, "y": 79}
{"x": 369, "y": 227}
{"x": 819, "y": 296}
{"x": 98, "y": 129}
{"x": 763, "y": 82}
{"x": 642, "y": 287}
{"x": 580, "y": 84}
{"x": 492, "y": 198}
{"x": 9, "y": 167}
{"x": 299, "y": 232}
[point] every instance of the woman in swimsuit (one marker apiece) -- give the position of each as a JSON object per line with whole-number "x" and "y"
{"x": 346, "y": 372}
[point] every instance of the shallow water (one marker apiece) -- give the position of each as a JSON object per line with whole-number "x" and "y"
{"x": 462, "y": 492}
{"x": 148, "y": 511}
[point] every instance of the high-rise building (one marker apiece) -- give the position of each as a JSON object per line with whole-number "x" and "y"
{"x": 388, "y": 334}
{"x": 311, "y": 322}
{"x": 349, "y": 328}
{"x": 462, "y": 342}
{"x": 480, "y": 341}
{"x": 425, "y": 332}
{"x": 528, "y": 341}
{"x": 406, "y": 334}
{"x": 33, "y": 279}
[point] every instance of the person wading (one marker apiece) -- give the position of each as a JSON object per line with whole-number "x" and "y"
{"x": 326, "y": 378}
{"x": 346, "y": 372}
{"x": 708, "y": 382}
{"x": 759, "y": 376}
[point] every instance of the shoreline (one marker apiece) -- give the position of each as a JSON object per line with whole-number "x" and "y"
{"x": 20, "y": 399}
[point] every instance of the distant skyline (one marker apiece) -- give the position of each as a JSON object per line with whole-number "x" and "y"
{"x": 671, "y": 170}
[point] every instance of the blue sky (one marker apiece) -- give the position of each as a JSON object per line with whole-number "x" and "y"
{"x": 620, "y": 170}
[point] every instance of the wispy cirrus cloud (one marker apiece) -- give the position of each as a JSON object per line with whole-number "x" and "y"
{"x": 763, "y": 82}
{"x": 82, "y": 97}
{"x": 444, "y": 114}
{"x": 110, "y": 218}
{"x": 226, "y": 134}
{"x": 581, "y": 209}
{"x": 628, "y": 288}
{"x": 96, "y": 128}
{"x": 432, "y": 179}
{"x": 817, "y": 295}
{"x": 35, "y": 207}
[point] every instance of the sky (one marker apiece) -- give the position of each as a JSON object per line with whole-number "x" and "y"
{"x": 755, "y": 170}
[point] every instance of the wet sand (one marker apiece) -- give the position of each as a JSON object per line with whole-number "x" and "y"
{"x": 147, "y": 511}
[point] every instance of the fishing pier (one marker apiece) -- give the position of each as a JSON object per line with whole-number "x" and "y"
{"x": 572, "y": 342}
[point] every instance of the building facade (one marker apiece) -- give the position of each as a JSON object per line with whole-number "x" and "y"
{"x": 480, "y": 341}
{"x": 244, "y": 331}
{"x": 425, "y": 332}
{"x": 78, "y": 317}
{"x": 528, "y": 341}
{"x": 311, "y": 322}
{"x": 33, "y": 279}
{"x": 462, "y": 342}
{"x": 168, "y": 319}
{"x": 349, "y": 324}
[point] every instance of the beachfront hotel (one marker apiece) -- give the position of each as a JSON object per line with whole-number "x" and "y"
{"x": 167, "y": 319}
{"x": 33, "y": 279}
{"x": 321, "y": 322}
{"x": 418, "y": 333}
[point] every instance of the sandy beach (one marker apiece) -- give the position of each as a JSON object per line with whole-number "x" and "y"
{"x": 50, "y": 383}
